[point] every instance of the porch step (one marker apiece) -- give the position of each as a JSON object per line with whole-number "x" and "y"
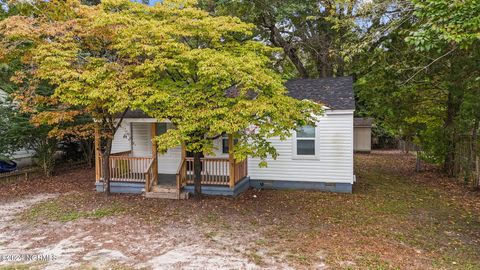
{"x": 166, "y": 192}
{"x": 167, "y": 195}
{"x": 166, "y": 189}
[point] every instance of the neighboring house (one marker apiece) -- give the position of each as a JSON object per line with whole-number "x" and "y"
{"x": 22, "y": 157}
{"x": 362, "y": 134}
{"x": 316, "y": 157}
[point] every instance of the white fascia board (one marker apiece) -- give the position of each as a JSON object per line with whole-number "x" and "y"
{"x": 339, "y": 111}
{"x": 145, "y": 120}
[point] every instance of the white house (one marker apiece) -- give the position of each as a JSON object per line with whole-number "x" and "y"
{"x": 316, "y": 157}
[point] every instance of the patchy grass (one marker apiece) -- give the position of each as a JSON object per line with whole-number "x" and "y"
{"x": 395, "y": 219}
{"x": 16, "y": 267}
{"x": 257, "y": 258}
{"x": 65, "y": 209}
{"x": 33, "y": 266}
{"x": 299, "y": 257}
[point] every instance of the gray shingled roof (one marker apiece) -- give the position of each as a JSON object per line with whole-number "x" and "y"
{"x": 136, "y": 114}
{"x": 335, "y": 93}
{"x": 362, "y": 122}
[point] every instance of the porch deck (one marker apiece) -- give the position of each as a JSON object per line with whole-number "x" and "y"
{"x": 142, "y": 173}
{"x": 219, "y": 174}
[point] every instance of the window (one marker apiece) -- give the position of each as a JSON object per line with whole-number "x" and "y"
{"x": 225, "y": 147}
{"x": 305, "y": 141}
{"x": 163, "y": 127}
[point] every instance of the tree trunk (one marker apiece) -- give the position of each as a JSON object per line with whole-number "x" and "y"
{"x": 474, "y": 147}
{"x": 407, "y": 145}
{"x": 197, "y": 172}
{"x": 477, "y": 172}
{"x": 105, "y": 166}
{"x": 112, "y": 128}
{"x": 418, "y": 165}
{"x": 88, "y": 150}
{"x": 449, "y": 130}
{"x": 474, "y": 152}
{"x": 322, "y": 63}
{"x": 291, "y": 52}
{"x": 323, "y": 70}
{"x": 340, "y": 67}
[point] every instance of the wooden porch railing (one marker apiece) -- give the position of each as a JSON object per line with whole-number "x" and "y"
{"x": 127, "y": 169}
{"x": 215, "y": 171}
{"x": 124, "y": 153}
{"x": 241, "y": 170}
{"x": 150, "y": 177}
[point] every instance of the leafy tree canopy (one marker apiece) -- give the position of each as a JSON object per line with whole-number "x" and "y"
{"x": 204, "y": 73}
{"x": 443, "y": 21}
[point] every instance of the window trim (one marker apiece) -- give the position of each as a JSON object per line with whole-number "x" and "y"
{"x": 224, "y": 138}
{"x": 316, "y": 144}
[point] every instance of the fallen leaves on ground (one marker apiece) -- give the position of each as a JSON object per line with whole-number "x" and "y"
{"x": 395, "y": 218}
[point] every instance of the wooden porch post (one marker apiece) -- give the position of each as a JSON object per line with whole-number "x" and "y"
{"x": 182, "y": 177}
{"x": 154, "y": 153}
{"x": 231, "y": 161}
{"x": 183, "y": 173}
{"x": 184, "y": 151}
{"x": 97, "y": 154}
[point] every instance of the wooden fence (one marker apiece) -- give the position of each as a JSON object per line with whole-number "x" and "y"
{"x": 22, "y": 174}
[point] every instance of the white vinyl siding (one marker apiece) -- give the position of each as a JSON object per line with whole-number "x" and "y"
{"x": 142, "y": 144}
{"x": 333, "y": 161}
{"x": 334, "y": 154}
{"x": 142, "y": 147}
{"x": 122, "y": 139}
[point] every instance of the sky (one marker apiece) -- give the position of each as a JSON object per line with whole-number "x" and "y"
{"x": 152, "y": 2}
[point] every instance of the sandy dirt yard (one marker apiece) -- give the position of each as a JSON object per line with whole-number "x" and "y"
{"x": 395, "y": 219}
{"x": 116, "y": 242}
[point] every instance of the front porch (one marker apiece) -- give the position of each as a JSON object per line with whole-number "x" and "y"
{"x": 140, "y": 174}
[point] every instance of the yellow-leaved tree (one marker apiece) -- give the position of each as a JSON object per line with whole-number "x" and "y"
{"x": 174, "y": 61}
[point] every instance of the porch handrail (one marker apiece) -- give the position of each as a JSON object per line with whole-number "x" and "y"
{"x": 149, "y": 176}
{"x": 181, "y": 174}
{"x": 123, "y": 153}
{"x": 209, "y": 158}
